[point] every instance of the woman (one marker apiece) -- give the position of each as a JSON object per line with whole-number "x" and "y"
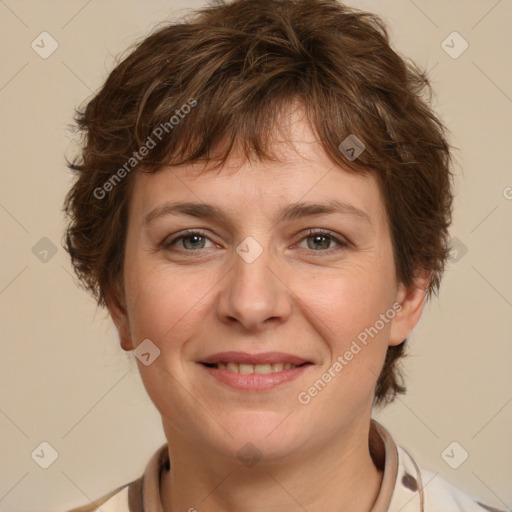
{"x": 262, "y": 203}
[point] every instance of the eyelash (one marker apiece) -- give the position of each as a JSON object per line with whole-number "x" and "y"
{"x": 312, "y": 232}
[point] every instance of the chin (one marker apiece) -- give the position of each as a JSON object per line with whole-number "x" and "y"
{"x": 260, "y": 433}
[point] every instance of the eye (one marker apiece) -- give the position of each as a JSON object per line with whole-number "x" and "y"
{"x": 193, "y": 240}
{"x": 322, "y": 239}
{"x": 190, "y": 241}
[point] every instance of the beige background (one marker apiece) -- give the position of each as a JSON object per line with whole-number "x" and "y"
{"x": 64, "y": 378}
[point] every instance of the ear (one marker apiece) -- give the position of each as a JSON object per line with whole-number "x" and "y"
{"x": 120, "y": 318}
{"x": 411, "y": 300}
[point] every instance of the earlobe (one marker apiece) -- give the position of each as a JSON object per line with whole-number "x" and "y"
{"x": 411, "y": 302}
{"x": 120, "y": 319}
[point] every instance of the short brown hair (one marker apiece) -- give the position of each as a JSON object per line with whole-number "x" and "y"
{"x": 236, "y": 66}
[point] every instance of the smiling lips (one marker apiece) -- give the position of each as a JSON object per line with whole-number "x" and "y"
{"x": 254, "y": 372}
{"x": 261, "y": 369}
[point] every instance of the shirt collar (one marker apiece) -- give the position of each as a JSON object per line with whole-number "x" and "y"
{"x": 144, "y": 494}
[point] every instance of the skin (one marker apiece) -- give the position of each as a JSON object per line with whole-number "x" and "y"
{"x": 300, "y": 296}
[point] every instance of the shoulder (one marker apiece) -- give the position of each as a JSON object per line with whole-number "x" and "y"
{"x": 439, "y": 492}
{"x": 432, "y": 490}
{"x": 115, "y": 501}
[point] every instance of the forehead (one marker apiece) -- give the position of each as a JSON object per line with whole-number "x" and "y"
{"x": 302, "y": 172}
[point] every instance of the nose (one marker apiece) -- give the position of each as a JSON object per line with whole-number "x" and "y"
{"x": 254, "y": 293}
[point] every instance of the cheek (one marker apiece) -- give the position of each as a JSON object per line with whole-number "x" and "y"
{"x": 346, "y": 312}
{"x": 163, "y": 306}
{"x": 346, "y": 302}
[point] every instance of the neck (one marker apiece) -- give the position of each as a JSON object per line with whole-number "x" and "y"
{"x": 341, "y": 477}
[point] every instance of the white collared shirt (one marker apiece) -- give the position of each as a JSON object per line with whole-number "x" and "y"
{"x": 405, "y": 486}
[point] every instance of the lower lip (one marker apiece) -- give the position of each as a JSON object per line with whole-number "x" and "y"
{"x": 255, "y": 381}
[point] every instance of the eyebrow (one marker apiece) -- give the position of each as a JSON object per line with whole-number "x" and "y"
{"x": 290, "y": 212}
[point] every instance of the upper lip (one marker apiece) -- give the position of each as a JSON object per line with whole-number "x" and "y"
{"x": 245, "y": 358}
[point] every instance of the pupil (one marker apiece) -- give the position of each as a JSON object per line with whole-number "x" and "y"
{"x": 194, "y": 238}
{"x": 316, "y": 238}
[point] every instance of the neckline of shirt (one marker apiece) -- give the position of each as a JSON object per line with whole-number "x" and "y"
{"x": 383, "y": 450}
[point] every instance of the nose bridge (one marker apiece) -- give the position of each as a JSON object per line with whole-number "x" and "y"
{"x": 253, "y": 293}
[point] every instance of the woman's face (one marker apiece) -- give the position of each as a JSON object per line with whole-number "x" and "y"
{"x": 256, "y": 283}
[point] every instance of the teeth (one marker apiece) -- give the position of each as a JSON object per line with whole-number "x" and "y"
{"x": 262, "y": 368}
{"x": 245, "y": 368}
{"x": 255, "y": 368}
{"x": 233, "y": 367}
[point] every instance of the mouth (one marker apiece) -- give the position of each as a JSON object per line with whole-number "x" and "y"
{"x": 254, "y": 372}
{"x": 246, "y": 369}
